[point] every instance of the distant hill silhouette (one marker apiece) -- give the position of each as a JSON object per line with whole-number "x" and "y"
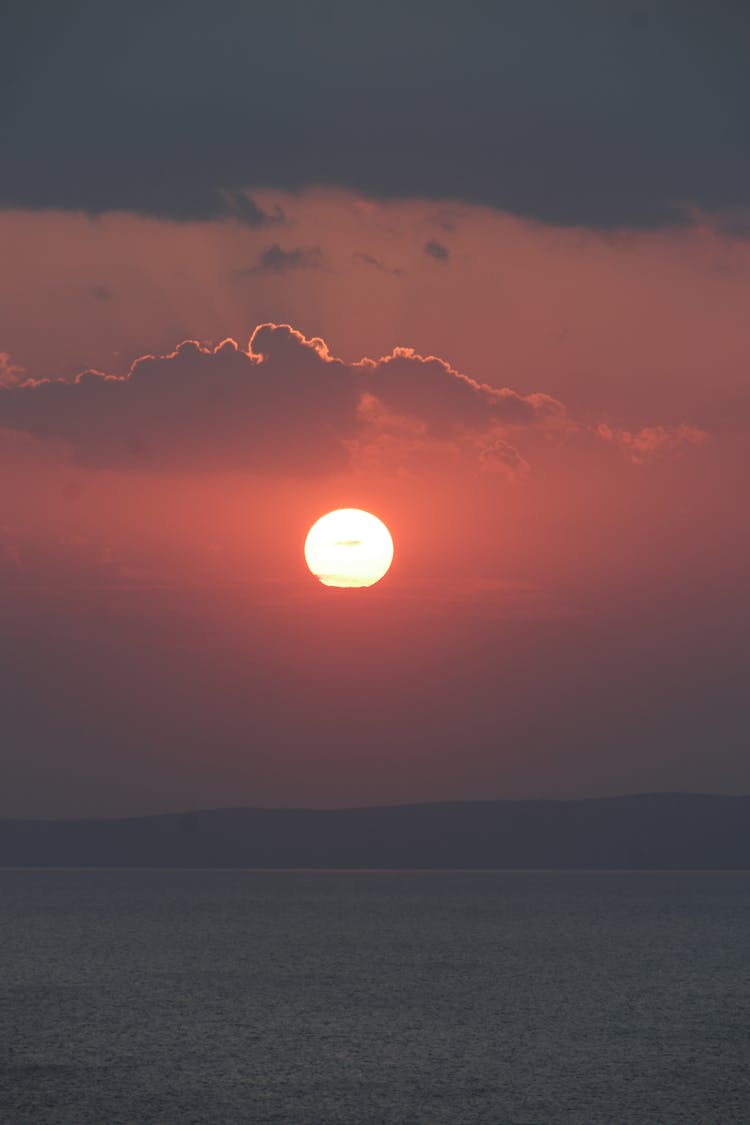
{"x": 647, "y": 832}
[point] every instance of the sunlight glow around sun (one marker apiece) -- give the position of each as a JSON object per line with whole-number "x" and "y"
{"x": 349, "y": 547}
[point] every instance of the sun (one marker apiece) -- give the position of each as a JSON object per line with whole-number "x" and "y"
{"x": 349, "y": 547}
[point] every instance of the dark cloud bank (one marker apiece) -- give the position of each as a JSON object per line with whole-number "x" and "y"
{"x": 604, "y": 115}
{"x": 284, "y": 406}
{"x": 287, "y": 406}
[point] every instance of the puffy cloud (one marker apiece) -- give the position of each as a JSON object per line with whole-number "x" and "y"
{"x": 428, "y": 388}
{"x": 499, "y": 456}
{"x": 645, "y": 443}
{"x": 10, "y": 372}
{"x": 437, "y": 251}
{"x": 277, "y": 260}
{"x": 284, "y": 405}
{"x": 575, "y": 113}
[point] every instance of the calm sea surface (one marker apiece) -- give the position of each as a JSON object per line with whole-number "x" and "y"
{"x": 310, "y": 998}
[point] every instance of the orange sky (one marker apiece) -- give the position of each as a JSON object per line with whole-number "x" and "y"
{"x": 563, "y": 585}
{"x": 641, "y": 327}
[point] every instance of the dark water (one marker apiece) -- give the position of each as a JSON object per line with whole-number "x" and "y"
{"x": 304, "y": 998}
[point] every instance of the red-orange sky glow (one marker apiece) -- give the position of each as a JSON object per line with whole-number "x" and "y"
{"x": 549, "y": 410}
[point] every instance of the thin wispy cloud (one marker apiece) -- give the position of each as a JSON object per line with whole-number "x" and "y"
{"x": 377, "y": 264}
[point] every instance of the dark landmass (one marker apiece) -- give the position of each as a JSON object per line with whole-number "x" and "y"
{"x": 660, "y": 831}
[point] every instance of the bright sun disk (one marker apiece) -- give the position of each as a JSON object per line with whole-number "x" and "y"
{"x": 349, "y": 547}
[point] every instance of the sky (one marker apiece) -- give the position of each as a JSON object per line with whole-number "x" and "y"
{"x": 480, "y": 269}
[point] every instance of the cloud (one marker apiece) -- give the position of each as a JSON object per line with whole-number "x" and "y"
{"x": 499, "y": 456}
{"x": 429, "y": 389}
{"x": 370, "y": 260}
{"x": 277, "y": 260}
{"x": 734, "y": 223}
{"x": 10, "y": 372}
{"x": 284, "y": 405}
{"x": 437, "y": 251}
{"x": 573, "y": 113}
{"x": 652, "y": 440}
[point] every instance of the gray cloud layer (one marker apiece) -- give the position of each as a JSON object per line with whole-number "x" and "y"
{"x": 610, "y": 115}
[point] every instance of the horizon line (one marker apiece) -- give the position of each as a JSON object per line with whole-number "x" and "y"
{"x": 319, "y": 810}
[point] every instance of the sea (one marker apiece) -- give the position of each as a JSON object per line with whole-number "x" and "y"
{"x": 186, "y": 997}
